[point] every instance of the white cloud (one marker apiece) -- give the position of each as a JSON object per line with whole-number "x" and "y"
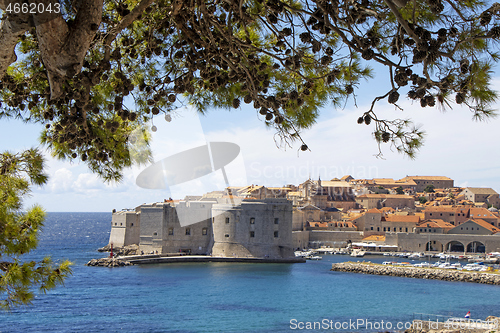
{"x": 61, "y": 181}
{"x": 87, "y": 182}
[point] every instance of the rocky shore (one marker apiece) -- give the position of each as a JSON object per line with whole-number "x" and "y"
{"x": 108, "y": 262}
{"x": 128, "y": 250}
{"x": 417, "y": 272}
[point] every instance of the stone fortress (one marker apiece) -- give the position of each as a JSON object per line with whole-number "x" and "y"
{"x": 223, "y": 227}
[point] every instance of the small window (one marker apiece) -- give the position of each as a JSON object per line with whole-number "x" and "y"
{"x": 227, "y": 220}
{"x": 121, "y": 223}
{"x": 430, "y": 214}
{"x": 406, "y": 229}
{"x": 394, "y": 229}
{"x": 252, "y": 233}
{"x": 204, "y": 231}
{"x": 116, "y": 223}
{"x": 171, "y": 231}
{"x": 420, "y": 230}
{"x": 276, "y": 220}
{"x": 275, "y": 234}
{"x": 131, "y": 224}
{"x": 384, "y": 229}
{"x": 378, "y": 228}
{"x": 252, "y": 220}
{"x": 226, "y": 235}
{"x": 155, "y": 234}
{"x": 371, "y": 228}
{"x": 188, "y": 231}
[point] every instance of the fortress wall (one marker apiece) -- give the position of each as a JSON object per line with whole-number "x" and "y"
{"x": 300, "y": 239}
{"x": 333, "y": 238}
{"x": 118, "y": 234}
{"x": 151, "y": 228}
{"x": 191, "y": 238}
{"x": 298, "y": 220}
{"x": 133, "y": 228}
{"x": 259, "y": 228}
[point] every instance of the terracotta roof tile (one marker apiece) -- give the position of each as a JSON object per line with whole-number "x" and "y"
{"x": 481, "y": 190}
{"x": 402, "y": 218}
{"x": 486, "y": 225}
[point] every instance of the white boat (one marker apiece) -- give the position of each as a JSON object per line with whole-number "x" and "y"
{"x": 314, "y": 258}
{"x": 422, "y": 264}
{"x": 358, "y": 253}
{"x": 444, "y": 265}
{"x": 415, "y": 255}
{"x": 302, "y": 254}
{"x": 472, "y": 267}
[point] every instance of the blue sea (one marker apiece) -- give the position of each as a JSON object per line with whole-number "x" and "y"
{"x": 226, "y": 297}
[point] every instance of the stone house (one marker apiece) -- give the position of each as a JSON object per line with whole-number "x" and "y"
{"x": 396, "y": 201}
{"x": 399, "y": 223}
{"x": 474, "y": 227}
{"x": 482, "y": 194}
{"x": 423, "y": 181}
{"x": 433, "y": 226}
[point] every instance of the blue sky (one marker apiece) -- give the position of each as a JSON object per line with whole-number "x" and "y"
{"x": 455, "y": 146}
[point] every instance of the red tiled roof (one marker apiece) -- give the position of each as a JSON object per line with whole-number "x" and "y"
{"x": 435, "y": 223}
{"x": 402, "y": 218}
{"x": 486, "y": 225}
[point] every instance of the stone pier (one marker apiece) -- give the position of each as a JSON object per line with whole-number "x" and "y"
{"x": 417, "y": 272}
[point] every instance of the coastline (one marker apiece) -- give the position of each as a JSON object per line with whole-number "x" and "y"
{"x": 417, "y": 272}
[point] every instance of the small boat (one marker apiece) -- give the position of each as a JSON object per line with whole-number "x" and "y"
{"x": 415, "y": 255}
{"x": 313, "y": 257}
{"x": 358, "y": 253}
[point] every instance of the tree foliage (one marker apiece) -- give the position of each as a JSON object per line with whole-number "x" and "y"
{"x": 99, "y": 69}
{"x": 19, "y": 232}
{"x": 429, "y": 189}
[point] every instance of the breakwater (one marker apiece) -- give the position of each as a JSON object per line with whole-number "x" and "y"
{"x": 164, "y": 259}
{"x": 417, "y": 272}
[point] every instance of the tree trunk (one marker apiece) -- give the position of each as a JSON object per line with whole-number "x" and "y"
{"x": 11, "y": 29}
{"x": 63, "y": 47}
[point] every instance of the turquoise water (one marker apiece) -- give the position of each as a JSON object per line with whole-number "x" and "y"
{"x": 223, "y": 297}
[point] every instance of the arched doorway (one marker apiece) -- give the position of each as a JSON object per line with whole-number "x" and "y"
{"x": 434, "y": 246}
{"x": 454, "y": 246}
{"x": 476, "y": 247}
